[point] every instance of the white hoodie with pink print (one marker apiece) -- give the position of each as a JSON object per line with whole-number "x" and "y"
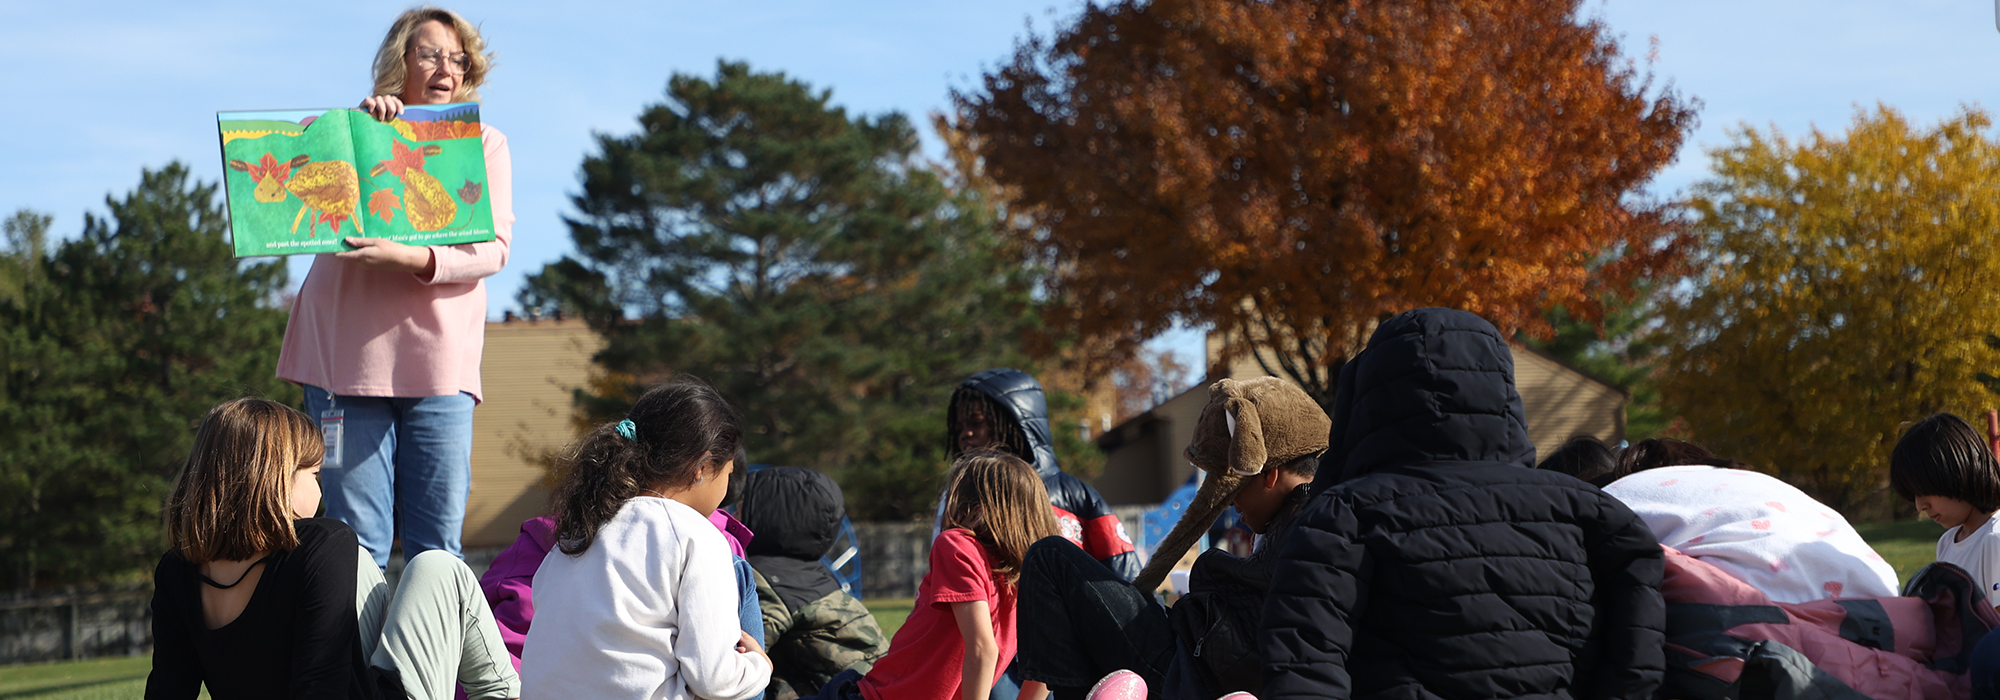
{"x": 1758, "y": 529}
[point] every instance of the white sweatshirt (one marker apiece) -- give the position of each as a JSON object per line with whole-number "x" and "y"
{"x": 1758, "y": 529}
{"x": 648, "y": 612}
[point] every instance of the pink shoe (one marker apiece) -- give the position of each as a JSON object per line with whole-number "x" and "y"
{"x": 1238, "y": 695}
{"x": 1120, "y": 685}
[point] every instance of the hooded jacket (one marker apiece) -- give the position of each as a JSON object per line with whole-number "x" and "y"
{"x": 1081, "y": 513}
{"x": 812, "y": 628}
{"x": 1434, "y": 561}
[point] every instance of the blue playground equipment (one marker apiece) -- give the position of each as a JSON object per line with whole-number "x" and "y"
{"x": 846, "y": 566}
{"x": 1154, "y": 524}
{"x": 844, "y": 558}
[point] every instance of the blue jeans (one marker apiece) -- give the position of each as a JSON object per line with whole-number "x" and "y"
{"x": 404, "y": 471}
{"x": 1007, "y": 683}
{"x": 748, "y": 611}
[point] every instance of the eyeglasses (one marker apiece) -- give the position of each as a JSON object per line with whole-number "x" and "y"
{"x": 456, "y": 64}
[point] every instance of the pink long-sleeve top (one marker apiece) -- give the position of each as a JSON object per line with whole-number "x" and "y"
{"x": 358, "y": 331}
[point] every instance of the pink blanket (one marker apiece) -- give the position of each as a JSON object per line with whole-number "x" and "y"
{"x": 1813, "y": 629}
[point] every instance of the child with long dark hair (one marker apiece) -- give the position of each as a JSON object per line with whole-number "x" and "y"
{"x": 258, "y": 599}
{"x": 648, "y": 598}
{"x": 961, "y": 631}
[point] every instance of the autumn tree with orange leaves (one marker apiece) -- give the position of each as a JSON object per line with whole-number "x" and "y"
{"x": 1293, "y": 172}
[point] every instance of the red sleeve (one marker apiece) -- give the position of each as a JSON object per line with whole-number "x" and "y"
{"x": 1104, "y": 537}
{"x": 959, "y": 572}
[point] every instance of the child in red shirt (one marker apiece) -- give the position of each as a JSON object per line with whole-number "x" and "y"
{"x": 962, "y": 628}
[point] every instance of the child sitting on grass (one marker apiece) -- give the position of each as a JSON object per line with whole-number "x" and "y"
{"x": 812, "y": 627}
{"x": 961, "y": 631}
{"x": 258, "y": 599}
{"x": 645, "y": 599}
{"x": 1434, "y": 561}
{"x": 509, "y": 582}
{"x": 1259, "y": 442}
{"x": 1944, "y": 467}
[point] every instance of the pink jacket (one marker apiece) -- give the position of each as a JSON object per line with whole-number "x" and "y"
{"x": 1813, "y": 629}
{"x": 356, "y": 331}
{"x": 510, "y": 581}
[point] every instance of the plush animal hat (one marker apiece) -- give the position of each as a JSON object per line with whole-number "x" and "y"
{"x": 1248, "y": 426}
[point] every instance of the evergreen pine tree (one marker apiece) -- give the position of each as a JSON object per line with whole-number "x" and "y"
{"x": 113, "y": 351}
{"x": 809, "y": 264}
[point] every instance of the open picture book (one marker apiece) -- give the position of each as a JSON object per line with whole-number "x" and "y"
{"x": 303, "y": 180}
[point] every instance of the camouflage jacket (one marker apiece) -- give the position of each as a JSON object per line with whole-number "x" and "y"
{"x": 819, "y": 639}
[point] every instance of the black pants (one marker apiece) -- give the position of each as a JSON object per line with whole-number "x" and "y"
{"x": 1076, "y": 622}
{"x": 843, "y": 686}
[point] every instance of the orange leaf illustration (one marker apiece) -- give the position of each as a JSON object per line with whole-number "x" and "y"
{"x": 405, "y": 159}
{"x": 384, "y": 204}
{"x": 268, "y": 166}
{"x": 331, "y": 219}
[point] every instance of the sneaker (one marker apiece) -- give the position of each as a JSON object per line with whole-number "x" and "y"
{"x": 1120, "y": 685}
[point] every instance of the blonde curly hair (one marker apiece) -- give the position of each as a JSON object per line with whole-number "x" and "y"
{"x": 390, "y": 70}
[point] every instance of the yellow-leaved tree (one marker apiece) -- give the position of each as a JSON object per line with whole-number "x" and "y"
{"x": 1843, "y": 286}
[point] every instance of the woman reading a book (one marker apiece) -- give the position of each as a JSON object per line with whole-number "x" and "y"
{"x": 386, "y": 338}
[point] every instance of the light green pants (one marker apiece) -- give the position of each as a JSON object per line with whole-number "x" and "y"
{"x": 434, "y": 631}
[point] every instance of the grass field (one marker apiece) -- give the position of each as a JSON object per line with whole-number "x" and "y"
{"x": 95, "y": 679}
{"x": 125, "y": 677}
{"x": 890, "y": 613}
{"x": 1908, "y": 545}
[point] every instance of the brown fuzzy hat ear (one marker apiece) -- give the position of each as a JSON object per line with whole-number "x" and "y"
{"x": 1213, "y": 449}
{"x": 1246, "y": 444}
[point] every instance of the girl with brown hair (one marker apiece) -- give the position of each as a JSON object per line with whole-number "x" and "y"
{"x": 259, "y": 599}
{"x": 961, "y": 631}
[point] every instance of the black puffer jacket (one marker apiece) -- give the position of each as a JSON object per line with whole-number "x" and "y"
{"x": 1434, "y": 562}
{"x": 1082, "y": 513}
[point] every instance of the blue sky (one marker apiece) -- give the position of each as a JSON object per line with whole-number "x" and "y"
{"x": 95, "y": 94}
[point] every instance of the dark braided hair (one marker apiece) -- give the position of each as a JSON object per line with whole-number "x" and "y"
{"x": 680, "y": 429}
{"x": 967, "y": 402}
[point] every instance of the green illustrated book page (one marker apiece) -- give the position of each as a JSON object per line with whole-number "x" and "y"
{"x": 302, "y": 181}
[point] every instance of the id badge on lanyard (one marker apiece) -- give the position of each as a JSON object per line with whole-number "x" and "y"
{"x": 331, "y": 422}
